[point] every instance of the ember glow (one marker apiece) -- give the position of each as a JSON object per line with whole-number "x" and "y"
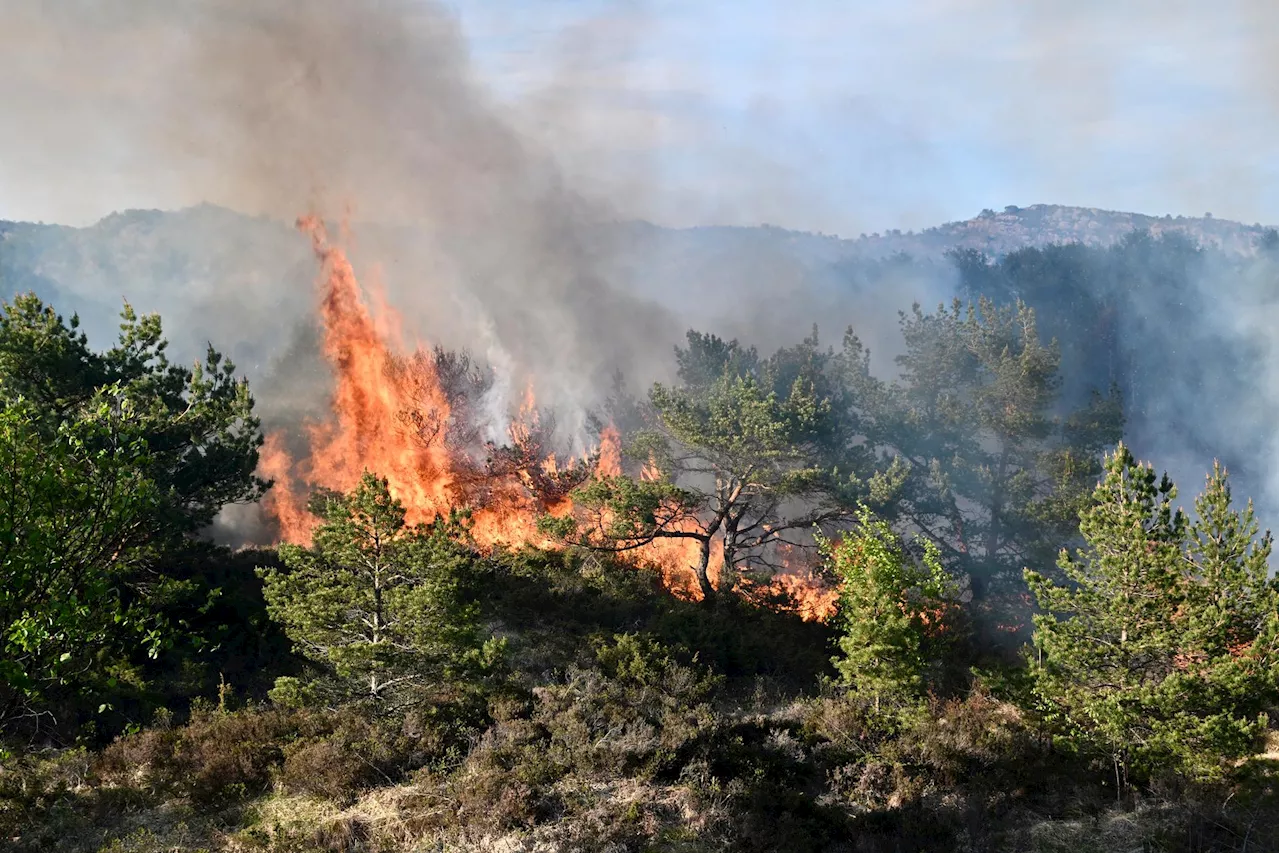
{"x": 392, "y": 414}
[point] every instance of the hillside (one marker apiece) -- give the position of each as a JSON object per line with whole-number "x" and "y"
{"x": 991, "y": 232}
{"x": 190, "y": 265}
{"x": 1044, "y": 224}
{"x": 241, "y": 279}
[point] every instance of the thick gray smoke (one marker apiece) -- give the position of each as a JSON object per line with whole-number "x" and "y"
{"x": 1211, "y": 378}
{"x": 372, "y": 112}
{"x": 367, "y": 111}
{"x": 333, "y": 105}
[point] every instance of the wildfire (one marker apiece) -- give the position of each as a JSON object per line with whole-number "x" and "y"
{"x": 610, "y": 462}
{"x": 394, "y": 413}
{"x": 798, "y": 588}
{"x": 812, "y": 599}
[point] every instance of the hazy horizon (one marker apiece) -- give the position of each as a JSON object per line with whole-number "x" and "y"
{"x": 816, "y": 117}
{"x": 780, "y": 225}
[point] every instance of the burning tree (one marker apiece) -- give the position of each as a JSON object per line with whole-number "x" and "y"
{"x": 741, "y": 461}
{"x": 417, "y": 418}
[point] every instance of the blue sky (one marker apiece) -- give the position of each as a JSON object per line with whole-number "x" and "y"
{"x": 851, "y": 116}
{"x": 841, "y": 117}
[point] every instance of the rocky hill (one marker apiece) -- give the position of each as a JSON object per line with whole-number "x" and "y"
{"x": 1043, "y": 224}
{"x": 235, "y": 277}
{"x": 998, "y": 233}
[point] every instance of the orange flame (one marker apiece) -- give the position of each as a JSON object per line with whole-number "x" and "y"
{"x": 610, "y": 462}
{"x": 797, "y": 587}
{"x": 676, "y": 558}
{"x": 282, "y": 502}
{"x": 808, "y": 596}
{"x": 391, "y": 415}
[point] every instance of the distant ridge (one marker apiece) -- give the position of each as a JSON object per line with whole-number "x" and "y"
{"x": 224, "y": 272}
{"x": 1043, "y": 224}
{"x": 995, "y": 233}
{"x": 998, "y": 233}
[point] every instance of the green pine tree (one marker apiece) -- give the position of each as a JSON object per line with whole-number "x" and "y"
{"x": 994, "y": 473}
{"x": 376, "y": 602}
{"x": 198, "y": 423}
{"x": 1161, "y": 653}
{"x": 896, "y": 616}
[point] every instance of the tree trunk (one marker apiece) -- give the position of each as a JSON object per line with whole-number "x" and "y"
{"x": 728, "y": 570}
{"x": 996, "y": 509}
{"x": 374, "y": 688}
{"x": 704, "y": 578}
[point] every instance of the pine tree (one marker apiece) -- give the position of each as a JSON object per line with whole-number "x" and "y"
{"x": 1160, "y": 653}
{"x": 201, "y": 434}
{"x": 744, "y": 454}
{"x": 995, "y": 474}
{"x": 113, "y": 461}
{"x": 378, "y": 603}
{"x": 896, "y": 615}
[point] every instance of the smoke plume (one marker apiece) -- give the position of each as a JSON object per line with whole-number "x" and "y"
{"x": 457, "y": 199}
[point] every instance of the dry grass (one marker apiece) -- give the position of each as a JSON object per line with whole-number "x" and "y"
{"x": 606, "y": 816}
{"x": 1117, "y": 831}
{"x": 1272, "y": 752}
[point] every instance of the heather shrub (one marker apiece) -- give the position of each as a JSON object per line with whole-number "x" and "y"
{"x": 352, "y": 753}
{"x": 634, "y": 712}
{"x": 218, "y": 757}
{"x": 32, "y": 785}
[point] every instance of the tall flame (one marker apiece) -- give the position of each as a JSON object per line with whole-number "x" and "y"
{"x": 610, "y": 462}
{"x": 391, "y": 415}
